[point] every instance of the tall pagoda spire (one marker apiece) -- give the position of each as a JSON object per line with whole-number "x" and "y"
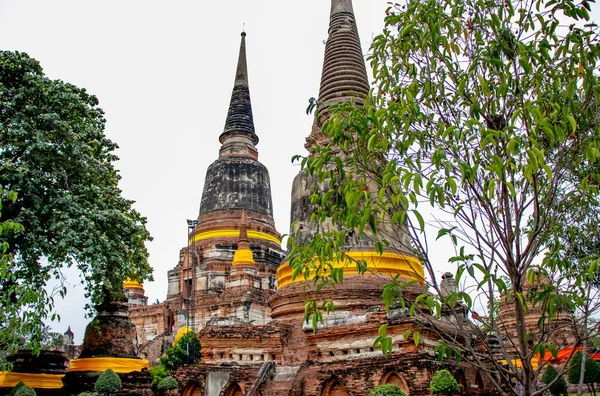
{"x": 344, "y": 73}
{"x": 344, "y": 79}
{"x": 237, "y": 181}
{"x": 239, "y": 117}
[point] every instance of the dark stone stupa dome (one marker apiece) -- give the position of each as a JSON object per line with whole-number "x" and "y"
{"x": 237, "y": 183}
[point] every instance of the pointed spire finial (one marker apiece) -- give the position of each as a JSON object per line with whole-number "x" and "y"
{"x": 239, "y": 116}
{"x": 241, "y": 75}
{"x": 344, "y": 76}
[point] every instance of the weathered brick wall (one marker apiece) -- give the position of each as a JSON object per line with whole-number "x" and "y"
{"x": 243, "y": 343}
{"x": 152, "y": 350}
{"x": 196, "y": 375}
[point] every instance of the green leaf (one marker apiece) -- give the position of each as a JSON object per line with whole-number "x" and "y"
{"x": 416, "y": 337}
{"x": 372, "y": 141}
{"x": 572, "y": 122}
{"x": 419, "y": 219}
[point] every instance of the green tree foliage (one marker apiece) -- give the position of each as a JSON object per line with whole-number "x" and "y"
{"x": 25, "y": 391}
{"x": 592, "y": 369}
{"x": 559, "y": 387}
{"x": 108, "y": 382}
{"x": 45, "y": 338}
{"x": 485, "y": 118}
{"x": 158, "y": 374}
{"x": 186, "y": 351}
{"x": 55, "y": 157}
{"x": 443, "y": 382}
{"x": 51, "y": 340}
{"x": 10, "y": 322}
{"x": 387, "y": 390}
{"x": 168, "y": 383}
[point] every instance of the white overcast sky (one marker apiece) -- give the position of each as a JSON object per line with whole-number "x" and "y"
{"x": 163, "y": 72}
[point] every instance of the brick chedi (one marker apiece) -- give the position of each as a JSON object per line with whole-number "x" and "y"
{"x": 236, "y": 200}
{"x": 344, "y": 79}
{"x": 134, "y": 292}
{"x": 110, "y": 342}
{"x": 558, "y": 332}
{"x": 227, "y": 272}
{"x": 339, "y": 358}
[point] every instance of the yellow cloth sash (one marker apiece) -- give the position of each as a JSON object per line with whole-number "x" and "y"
{"x": 388, "y": 264}
{"x": 233, "y": 234}
{"x": 180, "y": 333}
{"x": 118, "y": 365}
{"x": 39, "y": 381}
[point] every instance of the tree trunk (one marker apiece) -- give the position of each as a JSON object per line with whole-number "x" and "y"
{"x": 528, "y": 384}
{"x": 582, "y": 368}
{"x": 584, "y": 346}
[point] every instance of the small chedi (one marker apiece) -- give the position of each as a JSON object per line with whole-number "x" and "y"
{"x": 110, "y": 342}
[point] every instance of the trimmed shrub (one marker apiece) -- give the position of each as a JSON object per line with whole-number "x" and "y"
{"x": 168, "y": 383}
{"x": 592, "y": 369}
{"x": 559, "y": 388}
{"x": 16, "y": 388}
{"x": 158, "y": 373}
{"x": 387, "y": 390}
{"x": 443, "y": 382}
{"x": 24, "y": 390}
{"x": 108, "y": 382}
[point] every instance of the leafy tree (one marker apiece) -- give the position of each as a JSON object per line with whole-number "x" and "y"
{"x": 25, "y": 391}
{"x": 158, "y": 374}
{"x": 486, "y": 119}
{"x": 108, "y": 382}
{"x": 559, "y": 387}
{"x": 168, "y": 383}
{"x": 387, "y": 390}
{"x": 443, "y": 382}
{"x": 56, "y": 159}
{"x": 46, "y": 338}
{"x": 186, "y": 351}
{"x": 591, "y": 370}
